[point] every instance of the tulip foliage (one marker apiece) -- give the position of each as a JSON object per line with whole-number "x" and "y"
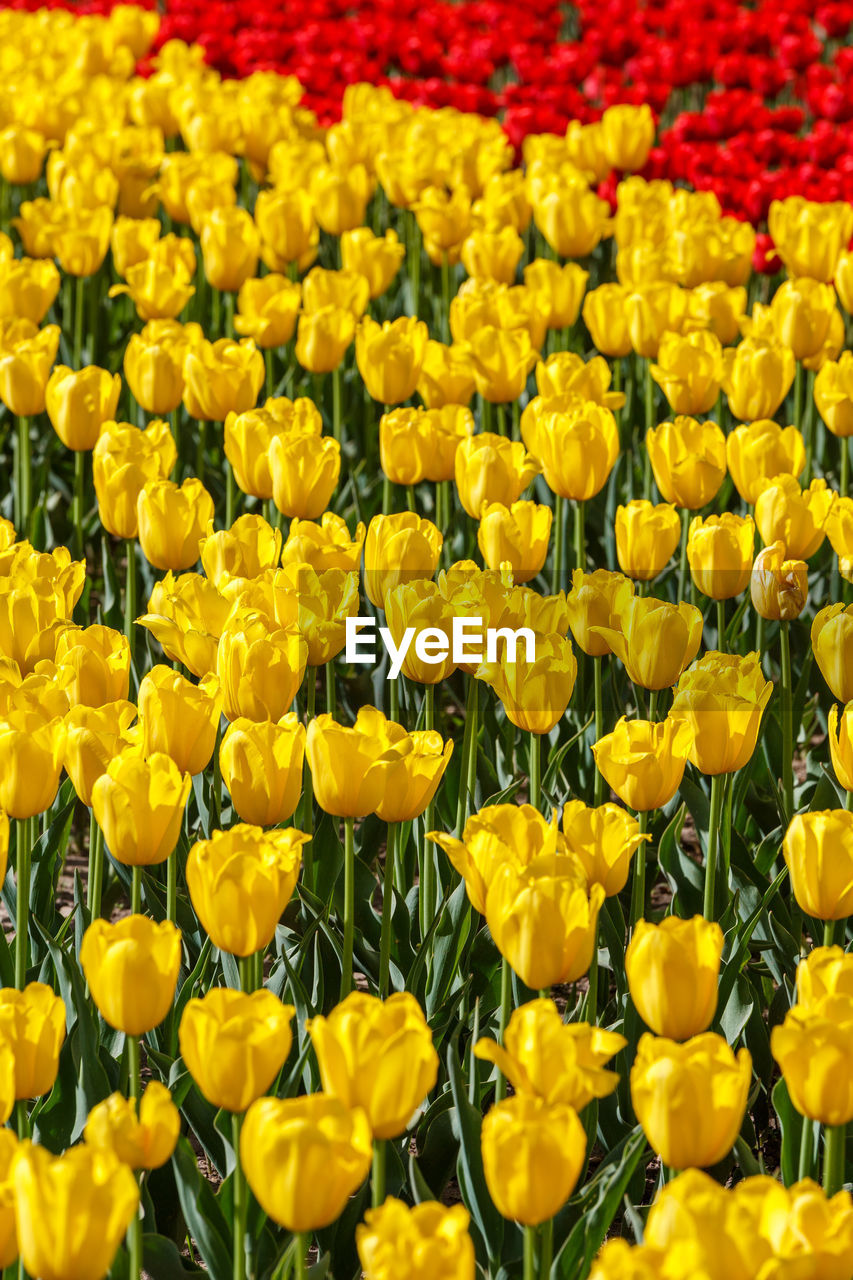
{"x": 426, "y": 645}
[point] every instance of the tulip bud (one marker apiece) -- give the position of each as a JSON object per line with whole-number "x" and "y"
{"x": 646, "y": 538}
{"x": 689, "y": 371}
{"x": 132, "y": 969}
{"x": 345, "y": 763}
{"x": 322, "y": 338}
{"x": 490, "y": 468}
{"x": 399, "y": 548}
{"x": 757, "y": 375}
{"x": 812, "y": 1047}
{"x": 628, "y": 133}
{"x": 93, "y": 665}
{"x": 688, "y": 460}
{"x": 690, "y": 1098}
{"x": 145, "y": 1141}
{"x": 818, "y": 850}
{"x": 154, "y": 365}
{"x": 643, "y": 762}
{"x": 305, "y": 470}
{"x": 26, "y": 357}
{"x": 261, "y": 766}
{"x": 447, "y": 376}
{"x": 832, "y": 642}
{"x": 672, "y": 969}
{"x": 502, "y": 359}
{"x": 533, "y": 1155}
{"x": 517, "y": 535}
{"x": 719, "y": 552}
{"x": 31, "y": 754}
{"x": 267, "y": 310}
{"x": 377, "y": 258}
{"x": 32, "y": 1023}
{"x": 222, "y": 377}
{"x": 796, "y": 517}
{"x": 230, "y": 245}
{"x": 604, "y": 840}
{"x": 656, "y": 640}
{"x": 78, "y": 404}
{"x": 534, "y": 691}
{"x": 304, "y": 1157}
{"x": 234, "y": 1044}
{"x": 800, "y": 312}
{"x": 605, "y": 317}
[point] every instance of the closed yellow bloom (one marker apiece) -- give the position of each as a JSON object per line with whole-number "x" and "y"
{"x": 93, "y": 737}
{"x": 421, "y": 1242}
{"x": 688, "y": 460}
{"x": 499, "y": 833}
{"x": 719, "y": 551}
{"x": 260, "y": 665}
{"x": 446, "y": 377}
{"x": 154, "y": 366}
{"x": 248, "y": 549}
{"x": 444, "y": 219}
{"x": 132, "y": 969}
{"x": 323, "y": 337}
{"x": 376, "y": 1056}
{"x": 801, "y": 311}
{"x": 564, "y": 1064}
{"x": 652, "y": 310}
{"x": 518, "y": 535}
{"x": 327, "y": 545}
{"x": 325, "y": 601}
{"x": 757, "y": 375}
{"x": 558, "y": 289}
{"x": 763, "y": 450}
{"x": 26, "y": 357}
{"x": 305, "y": 470}
{"x": 672, "y": 970}
{"x": 840, "y": 734}
{"x": 240, "y": 882}
{"x": 643, "y": 762}
{"x": 813, "y": 1047}
{"x": 139, "y": 804}
{"x": 421, "y": 608}
{"x": 533, "y": 1154}
{"x": 592, "y": 606}
{"x": 832, "y": 642}
{"x": 346, "y": 290}
{"x": 390, "y": 357}
{"x": 833, "y": 394}
{"x": 93, "y": 665}
{"x": 796, "y": 517}
{"x": 656, "y": 640}
{"x": 542, "y": 918}
{"x": 605, "y": 316}
{"x": 715, "y": 307}
{"x": 172, "y": 521}
{"x": 421, "y": 444}
{"x": 810, "y": 236}
{"x": 604, "y": 840}
{"x": 412, "y": 774}
{"x": 340, "y": 196}
{"x": 825, "y": 971}
{"x": 572, "y": 218}
{"x": 646, "y": 538}
{"x": 179, "y": 718}
{"x": 535, "y": 692}
{"x": 689, "y": 370}
{"x": 72, "y": 1211}
{"x": 565, "y": 372}
{"x": 267, "y": 310}
{"x": 248, "y": 437}
{"x": 399, "y": 548}
{"x": 32, "y": 1023}
{"x": 159, "y": 290}
{"x": 627, "y": 134}
{"x": 82, "y": 239}
{"x": 132, "y": 240}
{"x": 490, "y": 468}
{"x": 502, "y": 359}
{"x": 187, "y": 615}
{"x": 285, "y": 221}
{"x": 377, "y": 258}
{"x": 8, "y": 1230}
{"x": 818, "y": 849}
{"x": 222, "y": 377}
{"x": 722, "y": 699}
{"x": 347, "y": 764}
{"x": 234, "y": 1044}
{"x": 690, "y": 1098}
{"x": 28, "y": 288}
{"x": 22, "y": 153}
{"x": 145, "y": 1141}
{"x": 577, "y": 448}
{"x": 78, "y": 404}
{"x": 261, "y": 764}
{"x": 230, "y": 246}
{"x": 492, "y": 255}
{"x": 31, "y": 754}
{"x": 304, "y": 1157}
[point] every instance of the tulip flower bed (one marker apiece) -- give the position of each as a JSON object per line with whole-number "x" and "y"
{"x": 426, "y": 649}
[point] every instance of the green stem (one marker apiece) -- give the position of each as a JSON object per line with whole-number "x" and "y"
{"x": 844, "y": 482}
{"x": 308, "y": 780}
{"x": 835, "y": 1138}
{"x": 469, "y": 733}
{"x": 638, "y": 877}
{"x": 270, "y": 375}
{"x": 506, "y": 1003}
{"x": 830, "y": 930}
{"x": 241, "y": 1202}
{"x": 25, "y": 834}
{"x": 598, "y": 797}
{"x": 654, "y": 697}
{"x": 787, "y": 721}
{"x": 592, "y": 993}
{"x": 580, "y": 535}
{"x": 247, "y": 976}
{"x": 387, "y": 908}
{"x": 547, "y": 1249}
{"x": 301, "y": 1250}
{"x": 349, "y": 907}
{"x": 559, "y": 537}
{"x": 682, "y": 555}
{"x": 26, "y": 476}
{"x": 230, "y": 495}
{"x": 130, "y": 594}
{"x": 650, "y": 422}
{"x": 377, "y": 1181}
{"x": 798, "y": 420}
{"x": 79, "y": 302}
{"x": 445, "y": 297}
{"x": 530, "y": 1253}
{"x": 806, "y": 1149}
{"x": 717, "y": 791}
{"x": 135, "y": 890}
{"x": 427, "y": 852}
{"x": 535, "y": 758}
{"x": 172, "y": 886}
{"x": 175, "y": 424}
{"x": 336, "y": 403}
{"x": 79, "y": 486}
{"x": 95, "y": 878}
{"x": 331, "y": 691}
{"x": 721, "y": 626}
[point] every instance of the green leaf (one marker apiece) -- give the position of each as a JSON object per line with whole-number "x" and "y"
{"x": 161, "y": 1258}
{"x": 203, "y": 1215}
{"x": 599, "y": 1203}
{"x": 467, "y": 1123}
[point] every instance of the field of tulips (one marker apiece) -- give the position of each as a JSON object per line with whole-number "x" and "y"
{"x": 426, "y": 649}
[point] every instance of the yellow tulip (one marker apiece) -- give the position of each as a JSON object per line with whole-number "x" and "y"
{"x": 796, "y": 517}
{"x": 689, "y": 370}
{"x": 558, "y": 289}
{"x": 124, "y": 460}
{"x": 93, "y": 665}
{"x": 490, "y": 468}
{"x": 627, "y": 136}
{"x": 646, "y": 538}
{"x": 377, "y": 258}
{"x": 93, "y": 737}
{"x": 234, "y": 1044}
{"x": 447, "y": 376}
{"x": 722, "y": 698}
{"x": 812, "y": 1047}
{"x": 261, "y": 764}
{"x": 424, "y": 1241}
{"x": 779, "y": 587}
{"x": 763, "y": 450}
{"x": 260, "y": 665}
{"x": 801, "y": 312}
{"x": 28, "y": 288}
{"x": 32, "y": 1024}
{"x": 518, "y": 535}
{"x": 502, "y": 359}
{"x": 172, "y": 521}
{"x": 305, "y": 470}
{"x": 323, "y": 337}
{"x": 267, "y": 310}
{"x": 230, "y": 246}
{"x": 592, "y": 606}
{"x": 604, "y": 840}
{"x": 31, "y": 754}
{"x": 248, "y": 437}
{"x": 643, "y": 762}
{"x": 840, "y": 734}
{"x": 221, "y": 377}
{"x": 688, "y": 460}
{"x": 655, "y": 640}
{"x": 832, "y": 642}
{"x": 132, "y": 969}
{"x": 833, "y": 394}
{"x": 605, "y": 317}
{"x": 179, "y": 718}
{"x": 139, "y": 804}
{"x": 390, "y": 357}
{"x": 535, "y": 691}
{"x": 145, "y": 1141}
{"x": 399, "y": 548}
{"x": 346, "y": 764}
{"x": 247, "y": 550}
{"x": 757, "y": 375}
{"x": 719, "y": 552}
{"x": 818, "y": 850}
{"x": 672, "y": 970}
{"x": 533, "y": 1154}
{"x": 154, "y": 365}
{"x": 578, "y": 448}
{"x": 327, "y": 545}
{"x": 26, "y": 357}
{"x": 187, "y": 616}
{"x": 809, "y": 237}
